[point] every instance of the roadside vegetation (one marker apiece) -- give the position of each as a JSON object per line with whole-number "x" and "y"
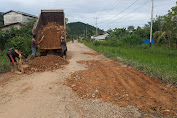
{"x": 1, "y": 19}
{"x": 127, "y": 44}
{"x": 15, "y": 38}
{"x": 156, "y": 61}
{"x": 21, "y": 38}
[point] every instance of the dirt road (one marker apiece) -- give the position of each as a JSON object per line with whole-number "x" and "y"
{"x": 78, "y": 90}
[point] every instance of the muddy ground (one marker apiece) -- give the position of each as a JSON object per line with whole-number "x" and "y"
{"x": 89, "y": 86}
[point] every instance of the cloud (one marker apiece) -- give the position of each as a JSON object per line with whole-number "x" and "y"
{"x": 114, "y": 13}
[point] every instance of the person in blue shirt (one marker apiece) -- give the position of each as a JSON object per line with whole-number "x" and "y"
{"x": 33, "y": 47}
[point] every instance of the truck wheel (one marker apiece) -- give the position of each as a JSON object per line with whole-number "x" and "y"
{"x": 43, "y": 53}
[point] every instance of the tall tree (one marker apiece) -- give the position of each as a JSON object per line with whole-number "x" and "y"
{"x": 130, "y": 28}
{"x": 1, "y": 20}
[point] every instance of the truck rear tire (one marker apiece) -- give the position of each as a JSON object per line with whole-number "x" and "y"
{"x": 43, "y": 53}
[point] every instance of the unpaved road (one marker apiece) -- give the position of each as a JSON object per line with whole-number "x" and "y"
{"x": 59, "y": 94}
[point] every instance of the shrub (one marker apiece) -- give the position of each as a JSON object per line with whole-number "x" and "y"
{"x": 20, "y": 43}
{"x": 143, "y": 46}
{"x": 96, "y": 43}
{"x": 113, "y": 41}
{"x": 131, "y": 40}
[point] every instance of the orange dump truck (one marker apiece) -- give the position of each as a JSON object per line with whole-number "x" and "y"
{"x": 50, "y": 29}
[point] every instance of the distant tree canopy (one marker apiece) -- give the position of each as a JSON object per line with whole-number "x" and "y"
{"x": 164, "y": 29}
{"x": 1, "y": 19}
{"x": 17, "y": 38}
{"x": 20, "y": 38}
{"x": 78, "y": 29}
{"x": 130, "y": 28}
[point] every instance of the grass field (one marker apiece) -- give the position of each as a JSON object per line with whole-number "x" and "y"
{"x": 156, "y": 61}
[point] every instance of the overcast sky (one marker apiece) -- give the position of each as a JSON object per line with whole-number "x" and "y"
{"x": 111, "y": 13}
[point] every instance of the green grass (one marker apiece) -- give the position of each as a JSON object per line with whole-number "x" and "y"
{"x": 4, "y": 64}
{"x": 155, "y": 61}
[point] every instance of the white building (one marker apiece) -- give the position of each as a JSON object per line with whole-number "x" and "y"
{"x": 101, "y": 37}
{"x": 14, "y": 18}
{"x": 11, "y": 17}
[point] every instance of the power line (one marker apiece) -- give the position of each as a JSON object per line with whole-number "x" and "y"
{"x": 132, "y": 16}
{"x": 111, "y": 8}
{"x": 96, "y": 26}
{"x": 145, "y": 3}
{"x": 121, "y": 11}
{"x": 104, "y": 8}
{"x": 140, "y": 12}
{"x": 137, "y": 14}
{"x": 132, "y": 11}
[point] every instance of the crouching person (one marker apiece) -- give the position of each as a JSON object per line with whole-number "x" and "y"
{"x": 12, "y": 55}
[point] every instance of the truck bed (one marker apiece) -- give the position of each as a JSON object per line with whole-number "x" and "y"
{"x": 49, "y": 28}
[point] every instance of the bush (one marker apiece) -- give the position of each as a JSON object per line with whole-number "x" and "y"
{"x": 131, "y": 40}
{"x": 96, "y": 43}
{"x": 143, "y": 46}
{"x": 4, "y": 64}
{"x": 113, "y": 41}
{"x": 20, "y": 43}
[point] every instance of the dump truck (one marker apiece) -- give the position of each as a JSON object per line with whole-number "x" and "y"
{"x": 49, "y": 29}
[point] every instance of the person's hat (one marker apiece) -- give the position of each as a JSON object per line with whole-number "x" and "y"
{"x": 62, "y": 37}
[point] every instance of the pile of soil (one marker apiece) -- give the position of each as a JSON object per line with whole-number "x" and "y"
{"x": 45, "y": 63}
{"x": 51, "y": 34}
{"x": 92, "y": 53}
{"x": 123, "y": 86}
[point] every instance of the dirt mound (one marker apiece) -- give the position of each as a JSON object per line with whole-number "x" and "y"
{"x": 123, "y": 86}
{"x": 50, "y": 35}
{"x": 92, "y": 53}
{"x": 45, "y": 63}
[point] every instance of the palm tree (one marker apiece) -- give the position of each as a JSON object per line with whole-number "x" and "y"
{"x": 160, "y": 35}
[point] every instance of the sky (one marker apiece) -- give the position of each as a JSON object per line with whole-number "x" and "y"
{"x": 110, "y": 13}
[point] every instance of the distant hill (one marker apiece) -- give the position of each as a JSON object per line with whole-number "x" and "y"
{"x": 77, "y": 29}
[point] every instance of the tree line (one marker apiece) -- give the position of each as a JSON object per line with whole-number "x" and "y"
{"x": 1, "y": 19}
{"x": 164, "y": 30}
{"x": 17, "y": 38}
{"x": 79, "y": 29}
{"x": 20, "y": 38}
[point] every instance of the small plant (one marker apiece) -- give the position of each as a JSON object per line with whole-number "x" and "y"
{"x": 96, "y": 43}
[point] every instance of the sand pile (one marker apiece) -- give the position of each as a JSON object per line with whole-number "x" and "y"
{"x": 45, "y": 63}
{"x": 50, "y": 35}
{"x": 112, "y": 82}
{"x": 92, "y": 53}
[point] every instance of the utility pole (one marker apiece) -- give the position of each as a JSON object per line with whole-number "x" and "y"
{"x": 86, "y": 33}
{"x": 96, "y": 26}
{"x": 151, "y": 22}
